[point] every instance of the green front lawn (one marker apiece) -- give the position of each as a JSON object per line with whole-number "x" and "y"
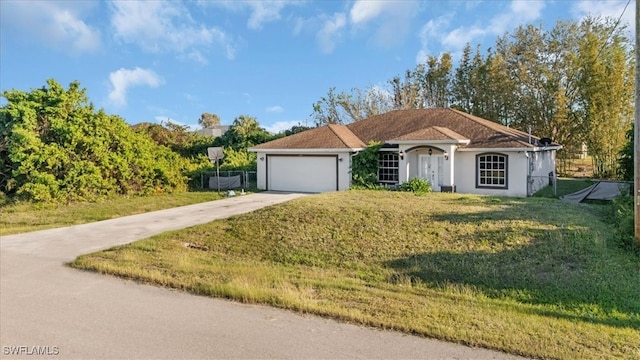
{"x": 564, "y": 186}
{"x": 535, "y": 276}
{"x": 29, "y": 216}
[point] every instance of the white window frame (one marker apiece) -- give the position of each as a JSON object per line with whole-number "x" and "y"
{"x": 388, "y": 167}
{"x": 492, "y": 171}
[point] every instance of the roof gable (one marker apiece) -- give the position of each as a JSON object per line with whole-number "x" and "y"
{"x": 325, "y": 137}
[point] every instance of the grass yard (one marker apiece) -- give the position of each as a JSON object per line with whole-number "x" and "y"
{"x": 24, "y": 217}
{"x": 534, "y": 277}
{"x": 564, "y": 186}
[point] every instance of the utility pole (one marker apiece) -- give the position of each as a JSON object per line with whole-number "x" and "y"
{"x": 636, "y": 134}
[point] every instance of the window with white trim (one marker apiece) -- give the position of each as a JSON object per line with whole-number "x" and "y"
{"x": 388, "y": 168}
{"x": 491, "y": 171}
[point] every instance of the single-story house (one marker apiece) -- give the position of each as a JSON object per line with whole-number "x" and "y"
{"x": 453, "y": 150}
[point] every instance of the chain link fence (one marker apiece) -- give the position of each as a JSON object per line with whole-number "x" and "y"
{"x": 229, "y": 180}
{"x": 537, "y": 183}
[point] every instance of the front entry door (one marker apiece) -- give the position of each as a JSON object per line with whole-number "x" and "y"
{"x": 430, "y": 168}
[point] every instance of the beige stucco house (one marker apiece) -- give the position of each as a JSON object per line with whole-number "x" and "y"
{"x": 453, "y": 150}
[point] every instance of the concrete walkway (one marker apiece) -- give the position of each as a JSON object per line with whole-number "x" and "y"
{"x": 49, "y": 309}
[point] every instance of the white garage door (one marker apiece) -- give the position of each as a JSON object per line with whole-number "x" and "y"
{"x": 302, "y": 173}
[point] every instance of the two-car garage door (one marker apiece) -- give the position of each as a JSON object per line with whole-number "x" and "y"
{"x": 302, "y": 173}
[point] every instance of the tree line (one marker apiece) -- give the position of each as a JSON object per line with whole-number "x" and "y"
{"x": 56, "y": 147}
{"x": 572, "y": 83}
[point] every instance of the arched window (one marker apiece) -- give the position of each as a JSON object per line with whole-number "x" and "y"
{"x": 491, "y": 171}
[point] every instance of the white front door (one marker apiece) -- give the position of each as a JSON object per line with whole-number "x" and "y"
{"x": 430, "y": 167}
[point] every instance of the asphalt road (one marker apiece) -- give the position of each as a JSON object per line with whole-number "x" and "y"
{"x": 48, "y": 310}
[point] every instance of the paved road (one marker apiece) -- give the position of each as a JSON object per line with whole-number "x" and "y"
{"x": 60, "y": 312}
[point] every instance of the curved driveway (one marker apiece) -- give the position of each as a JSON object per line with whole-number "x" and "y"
{"x": 49, "y": 309}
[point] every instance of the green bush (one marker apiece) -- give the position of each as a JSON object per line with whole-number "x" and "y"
{"x": 623, "y": 221}
{"x": 56, "y": 147}
{"x": 417, "y": 186}
{"x": 364, "y": 168}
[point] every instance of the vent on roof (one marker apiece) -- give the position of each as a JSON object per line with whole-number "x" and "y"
{"x": 545, "y": 141}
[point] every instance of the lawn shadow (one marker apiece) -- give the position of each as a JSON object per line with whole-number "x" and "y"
{"x": 567, "y": 269}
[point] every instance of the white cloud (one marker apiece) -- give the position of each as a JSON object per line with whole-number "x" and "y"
{"x": 122, "y": 79}
{"x": 260, "y": 12}
{"x": 610, "y": 9}
{"x": 58, "y": 24}
{"x": 432, "y": 30}
{"x": 459, "y": 37}
{"x": 274, "y": 109}
{"x": 519, "y": 12}
{"x": 160, "y": 26}
{"x": 392, "y": 19}
{"x": 365, "y": 10}
{"x": 197, "y": 56}
{"x": 263, "y": 12}
{"x": 280, "y": 126}
{"x": 330, "y": 33}
{"x": 191, "y": 97}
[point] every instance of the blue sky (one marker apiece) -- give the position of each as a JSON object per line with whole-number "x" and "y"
{"x": 149, "y": 61}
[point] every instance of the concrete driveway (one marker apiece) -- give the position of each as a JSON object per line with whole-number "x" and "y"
{"x": 48, "y": 310}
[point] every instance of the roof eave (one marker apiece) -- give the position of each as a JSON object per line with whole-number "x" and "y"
{"x": 521, "y": 149}
{"x": 413, "y": 142}
{"x": 306, "y": 151}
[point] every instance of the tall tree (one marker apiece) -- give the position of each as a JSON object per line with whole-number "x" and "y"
{"x": 344, "y": 108}
{"x": 463, "y": 93}
{"x": 208, "y": 120}
{"x": 626, "y": 169}
{"x": 327, "y": 110}
{"x": 244, "y": 133}
{"x": 606, "y": 91}
{"x": 434, "y": 81}
{"x": 405, "y": 92}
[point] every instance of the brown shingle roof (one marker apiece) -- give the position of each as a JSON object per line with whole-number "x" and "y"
{"x": 482, "y": 133}
{"x": 432, "y": 133}
{"x": 417, "y": 124}
{"x": 326, "y": 137}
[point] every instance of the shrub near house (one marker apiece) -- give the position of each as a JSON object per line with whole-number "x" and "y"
{"x": 58, "y": 147}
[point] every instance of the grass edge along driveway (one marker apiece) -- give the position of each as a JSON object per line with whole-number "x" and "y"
{"x": 533, "y": 277}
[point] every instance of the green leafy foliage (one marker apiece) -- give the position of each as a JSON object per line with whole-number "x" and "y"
{"x": 55, "y": 146}
{"x": 244, "y": 133}
{"x": 625, "y": 158}
{"x": 364, "y": 167}
{"x": 295, "y": 129}
{"x": 417, "y": 186}
{"x": 179, "y": 138}
{"x": 238, "y": 160}
{"x": 623, "y": 217}
{"x": 208, "y": 120}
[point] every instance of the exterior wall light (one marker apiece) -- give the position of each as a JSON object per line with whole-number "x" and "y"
{"x": 261, "y": 158}
{"x": 446, "y": 155}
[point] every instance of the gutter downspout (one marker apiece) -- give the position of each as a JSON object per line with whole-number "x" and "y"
{"x": 529, "y": 159}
